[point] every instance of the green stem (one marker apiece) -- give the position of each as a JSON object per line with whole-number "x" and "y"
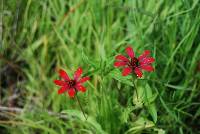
{"x": 80, "y": 106}
{"x": 135, "y": 88}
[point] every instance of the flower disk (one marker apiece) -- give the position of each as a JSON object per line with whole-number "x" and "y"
{"x": 72, "y": 86}
{"x": 133, "y": 64}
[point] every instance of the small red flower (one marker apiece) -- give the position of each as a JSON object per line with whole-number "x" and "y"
{"x": 134, "y": 64}
{"x": 71, "y": 85}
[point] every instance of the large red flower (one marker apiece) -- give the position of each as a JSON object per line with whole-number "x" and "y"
{"x": 71, "y": 85}
{"x": 133, "y": 64}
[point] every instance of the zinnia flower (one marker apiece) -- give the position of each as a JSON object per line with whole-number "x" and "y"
{"x": 72, "y": 86}
{"x": 133, "y": 64}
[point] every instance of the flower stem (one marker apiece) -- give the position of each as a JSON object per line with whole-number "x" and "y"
{"x": 135, "y": 89}
{"x": 81, "y": 107}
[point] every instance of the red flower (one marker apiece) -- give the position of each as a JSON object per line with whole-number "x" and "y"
{"x": 134, "y": 64}
{"x": 71, "y": 85}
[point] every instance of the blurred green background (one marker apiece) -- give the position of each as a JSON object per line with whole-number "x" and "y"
{"x": 41, "y": 36}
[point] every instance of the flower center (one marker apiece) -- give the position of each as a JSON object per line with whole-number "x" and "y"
{"x": 133, "y": 63}
{"x": 71, "y": 83}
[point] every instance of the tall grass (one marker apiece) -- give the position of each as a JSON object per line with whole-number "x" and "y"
{"x": 40, "y": 37}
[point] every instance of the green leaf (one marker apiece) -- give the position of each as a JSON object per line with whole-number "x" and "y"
{"x": 149, "y": 98}
{"x": 152, "y": 110}
{"x": 126, "y": 113}
{"x": 116, "y": 74}
{"x": 146, "y": 97}
{"x": 91, "y": 122}
{"x": 139, "y": 125}
{"x": 88, "y": 61}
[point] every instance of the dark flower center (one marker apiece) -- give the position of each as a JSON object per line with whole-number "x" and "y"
{"x": 133, "y": 63}
{"x": 71, "y": 83}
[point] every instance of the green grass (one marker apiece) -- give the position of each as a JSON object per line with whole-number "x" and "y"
{"x": 42, "y": 36}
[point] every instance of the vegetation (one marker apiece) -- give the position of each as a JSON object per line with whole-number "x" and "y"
{"x": 42, "y": 36}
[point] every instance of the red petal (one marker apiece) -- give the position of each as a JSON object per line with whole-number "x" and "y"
{"x": 138, "y": 72}
{"x": 71, "y": 92}
{"x": 84, "y": 79}
{"x": 126, "y": 71}
{"x": 78, "y": 73}
{"x": 148, "y": 68}
{"x": 59, "y": 82}
{"x": 121, "y": 57}
{"x": 119, "y": 63}
{"x": 130, "y": 52}
{"x": 81, "y": 88}
{"x": 62, "y": 90}
{"x": 145, "y": 54}
{"x": 64, "y": 75}
{"x": 147, "y": 60}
